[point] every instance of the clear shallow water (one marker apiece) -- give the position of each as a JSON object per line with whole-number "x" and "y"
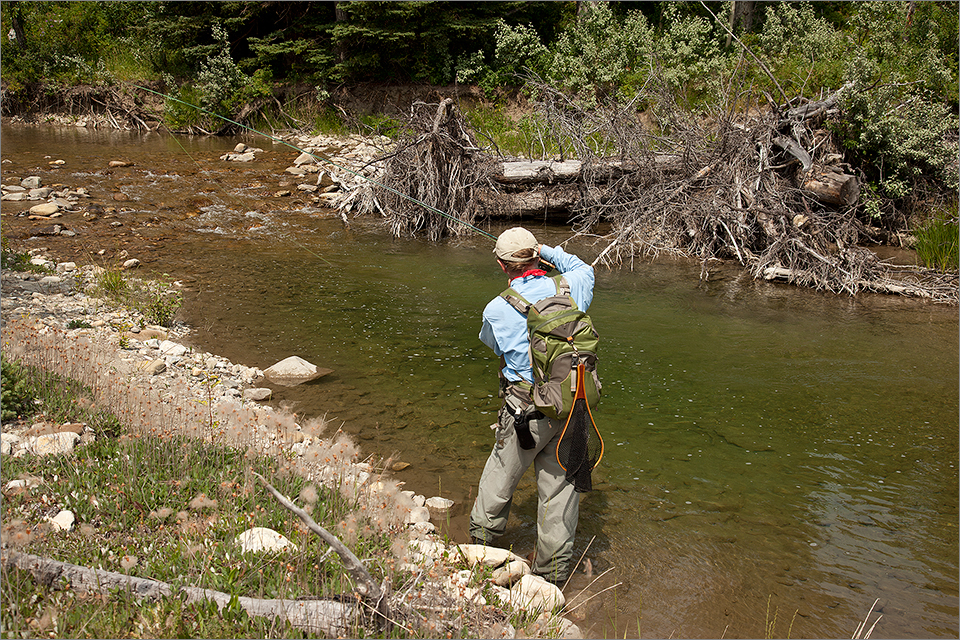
{"x": 770, "y": 451}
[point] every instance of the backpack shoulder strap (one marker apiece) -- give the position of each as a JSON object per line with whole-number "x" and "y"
{"x": 516, "y": 301}
{"x": 563, "y": 287}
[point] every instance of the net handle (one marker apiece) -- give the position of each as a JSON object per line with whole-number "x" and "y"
{"x": 580, "y": 394}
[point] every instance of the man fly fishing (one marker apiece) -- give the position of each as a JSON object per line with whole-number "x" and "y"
{"x": 524, "y": 435}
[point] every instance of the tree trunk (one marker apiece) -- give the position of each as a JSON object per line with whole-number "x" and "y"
{"x": 340, "y": 47}
{"x": 741, "y": 15}
{"x": 15, "y": 22}
{"x": 833, "y": 187}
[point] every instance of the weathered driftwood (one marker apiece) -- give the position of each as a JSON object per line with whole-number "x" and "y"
{"x": 543, "y": 186}
{"x": 794, "y": 150}
{"x": 540, "y": 172}
{"x": 758, "y": 186}
{"x": 833, "y": 187}
{"x": 814, "y": 110}
{"x": 938, "y": 286}
{"x": 328, "y": 617}
{"x": 367, "y": 588}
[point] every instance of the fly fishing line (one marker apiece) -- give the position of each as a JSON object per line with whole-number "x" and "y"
{"x": 323, "y": 159}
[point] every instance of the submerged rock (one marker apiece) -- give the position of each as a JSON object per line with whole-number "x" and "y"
{"x": 293, "y": 371}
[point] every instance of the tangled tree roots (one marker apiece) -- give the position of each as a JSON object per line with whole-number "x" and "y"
{"x": 439, "y": 165}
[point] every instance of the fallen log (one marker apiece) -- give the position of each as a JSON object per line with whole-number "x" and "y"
{"x": 524, "y": 172}
{"x": 832, "y": 187}
{"x": 542, "y": 201}
{"x": 328, "y": 617}
{"x": 531, "y": 171}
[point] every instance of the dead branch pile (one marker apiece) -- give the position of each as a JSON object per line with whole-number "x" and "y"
{"x": 435, "y": 176}
{"x": 765, "y": 187}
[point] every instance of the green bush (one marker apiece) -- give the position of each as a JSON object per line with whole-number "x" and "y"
{"x": 17, "y": 395}
{"x": 158, "y": 304}
{"x": 221, "y": 81}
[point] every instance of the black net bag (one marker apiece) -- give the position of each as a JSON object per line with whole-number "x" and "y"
{"x": 580, "y": 447}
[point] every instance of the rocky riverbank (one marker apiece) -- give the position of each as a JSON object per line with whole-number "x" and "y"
{"x": 57, "y": 320}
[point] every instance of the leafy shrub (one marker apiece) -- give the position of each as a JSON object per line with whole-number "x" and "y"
{"x": 899, "y": 137}
{"x": 17, "y": 395}
{"x": 899, "y": 115}
{"x": 690, "y": 55}
{"x": 221, "y": 81}
{"x": 159, "y": 305}
{"x": 518, "y": 49}
{"x": 800, "y": 48}
{"x": 593, "y": 57}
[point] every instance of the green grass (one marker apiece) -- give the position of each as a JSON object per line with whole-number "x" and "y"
{"x": 168, "y": 509}
{"x": 937, "y": 242}
{"x": 18, "y": 261}
{"x": 528, "y": 136}
{"x": 156, "y": 300}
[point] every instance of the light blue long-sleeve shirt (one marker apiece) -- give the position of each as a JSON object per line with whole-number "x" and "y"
{"x": 505, "y": 329}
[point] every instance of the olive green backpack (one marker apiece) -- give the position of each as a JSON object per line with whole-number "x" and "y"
{"x": 561, "y": 337}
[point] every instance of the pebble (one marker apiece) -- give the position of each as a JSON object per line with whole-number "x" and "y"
{"x": 63, "y": 521}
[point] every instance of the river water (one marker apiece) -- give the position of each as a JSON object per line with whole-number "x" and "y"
{"x": 776, "y": 459}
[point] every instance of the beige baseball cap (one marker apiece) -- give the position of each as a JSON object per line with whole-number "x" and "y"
{"x": 513, "y": 241}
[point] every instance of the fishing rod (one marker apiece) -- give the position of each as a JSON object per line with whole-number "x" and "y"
{"x": 321, "y": 158}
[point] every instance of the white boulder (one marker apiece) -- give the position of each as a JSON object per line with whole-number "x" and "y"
{"x": 260, "y": 539}
{"x": 534, "y": 593}
{"x": 474, "y": 554}
{"x": 53, "y": 443}
{"x": 510, "y": 573}
{"x": 170, "y": 348}
{"x": 7, "y": 442}
{"x": 418, "y": 515}
{"x": 63, "y": 521}
{"x": 45, "y": 209}
{"x": 293, "y": 371}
